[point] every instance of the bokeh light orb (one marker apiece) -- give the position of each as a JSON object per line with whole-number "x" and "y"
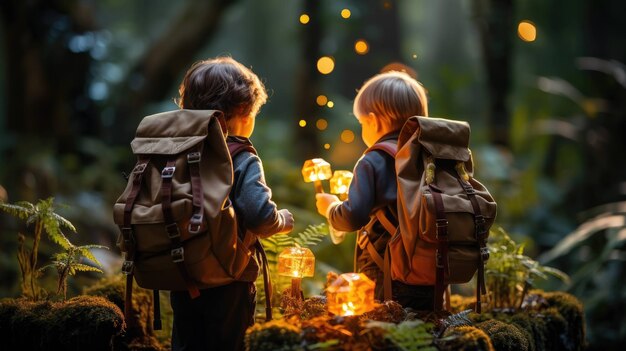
{"x": 347, "y": 136}
{"x": 527, "y": 31}
{"x": 361, "y": 47}
{"x": 325, "y": 65}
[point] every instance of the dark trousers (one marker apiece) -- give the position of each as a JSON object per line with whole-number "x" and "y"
{"x": 216, "y": 320}
{"x": 417, "y": 297}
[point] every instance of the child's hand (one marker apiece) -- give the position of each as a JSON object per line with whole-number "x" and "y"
{"x": 324, "y": 201}
{"x": 287, "y": 221}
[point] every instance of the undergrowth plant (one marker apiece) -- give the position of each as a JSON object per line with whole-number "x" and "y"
{"x": 69, "y": 262}
{"x": 41, "y": 217}
{"x": 510, "y": 274}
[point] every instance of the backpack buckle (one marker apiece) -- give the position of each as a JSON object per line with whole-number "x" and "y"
{"x": 193, "y": 157}
{"x": 195, "y": 224}
{"x": 484, "y": 253}
{"x": 127, "y": 267}
{"x": 139, "y": 168}
{"x": 168, "y": 172}
{"x": 172, "y": 230}
{"x": 178, "y": 254}
{"x": 438, "y": 260}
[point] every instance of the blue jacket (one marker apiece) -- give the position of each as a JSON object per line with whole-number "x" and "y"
{"x": 373, "y": 187}
{"x": 252, "y": 201}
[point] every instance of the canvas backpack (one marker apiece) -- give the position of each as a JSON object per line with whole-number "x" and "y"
{"x": 178, "y": 228}
{"x": 443, "y": 213}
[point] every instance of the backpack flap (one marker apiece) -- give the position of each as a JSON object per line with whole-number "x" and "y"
{"x": 170, "y": 133}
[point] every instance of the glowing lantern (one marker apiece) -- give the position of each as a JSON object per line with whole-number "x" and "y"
{"x": 340, "y": 182}
{"x": 296, "y": 262}
{"x": 316, "y": 170}
{"x": 350, "y": 294}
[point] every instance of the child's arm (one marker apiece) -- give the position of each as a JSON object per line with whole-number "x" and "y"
{"x": 252, "y": 201}
{"x": 353, "y": 213}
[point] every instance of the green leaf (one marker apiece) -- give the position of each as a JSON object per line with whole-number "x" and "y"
{"x": 582, "y": 233}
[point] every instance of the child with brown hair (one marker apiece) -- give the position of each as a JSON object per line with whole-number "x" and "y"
{"x": 382, "y": 106}
{"x": 219, "y": 317}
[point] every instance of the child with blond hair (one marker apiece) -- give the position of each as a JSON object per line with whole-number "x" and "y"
{"x": 382, "y": 106}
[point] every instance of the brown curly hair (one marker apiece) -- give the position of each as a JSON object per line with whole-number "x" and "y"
{"x": 222, "y": 84}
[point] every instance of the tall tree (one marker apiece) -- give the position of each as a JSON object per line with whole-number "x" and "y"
{"x": 308, "y": 81}
{"x": 495, "y": 22}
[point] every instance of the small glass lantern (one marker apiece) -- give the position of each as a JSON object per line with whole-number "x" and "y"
{"x": 340, "y": 183}
{"x": 315, "y": 170}
{"x": 351, "y": 294}
{"x": 296, "y": 262}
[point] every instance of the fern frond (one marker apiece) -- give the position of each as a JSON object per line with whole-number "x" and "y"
{"x": 312, "y": 235}
{"x": 86, "y": 252}
{"x": 54, "y": 232}
{"x": 51, "y": 265}
{"x": 15, "y": 210}
{"x": 64, "y": 222}
{"x": 455, "y": 320}
{"x": 79, "y": 267}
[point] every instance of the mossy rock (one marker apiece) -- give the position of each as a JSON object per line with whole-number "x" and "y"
{"x": 504, "y": 336}
{"x": 465, "y": 338}
{"x": 140, "y": 334}
{"x": 276, "y": 335}
{"x": 81, "y": 323}
{"x": 572, "y": 311}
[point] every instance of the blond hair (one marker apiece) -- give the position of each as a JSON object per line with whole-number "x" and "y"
{"x": 393, "y": 97}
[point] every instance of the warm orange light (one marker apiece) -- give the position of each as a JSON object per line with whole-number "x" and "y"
{"x": 325, "y": 65}
{"x": 296, "y": 262}
{"x": 340, "y": 182}
{"x": 347, "y": 136}
{"x": 304, "y": 18}
{"x": 527, "y": 31}
{"x": 321, "y": 124}
{"x": 321, "y": 100}
{"x": 330, "y": 104}
{"x": 350, "y": 294}
{"x": 361, "y": 47}
{"x": 345, "y": 13}
{"x": 327, "y": 146}
{"x": 302, "y": 123}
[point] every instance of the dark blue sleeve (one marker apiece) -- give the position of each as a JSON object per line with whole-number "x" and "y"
{"x": 373, "y": 186}
{"x": 252, "y": 198}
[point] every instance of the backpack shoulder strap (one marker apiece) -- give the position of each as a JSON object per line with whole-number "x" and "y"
{"x": 388, "y": 146}
{"x": 236, "y": 146}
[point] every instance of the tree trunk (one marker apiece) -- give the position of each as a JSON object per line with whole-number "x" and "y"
{"x": 308, "y": 84}
{"x": 496, "y": 26}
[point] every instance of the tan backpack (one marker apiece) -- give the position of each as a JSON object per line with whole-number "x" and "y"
{"x": 443, "y": 213}
{"x": 178, "y": 227}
